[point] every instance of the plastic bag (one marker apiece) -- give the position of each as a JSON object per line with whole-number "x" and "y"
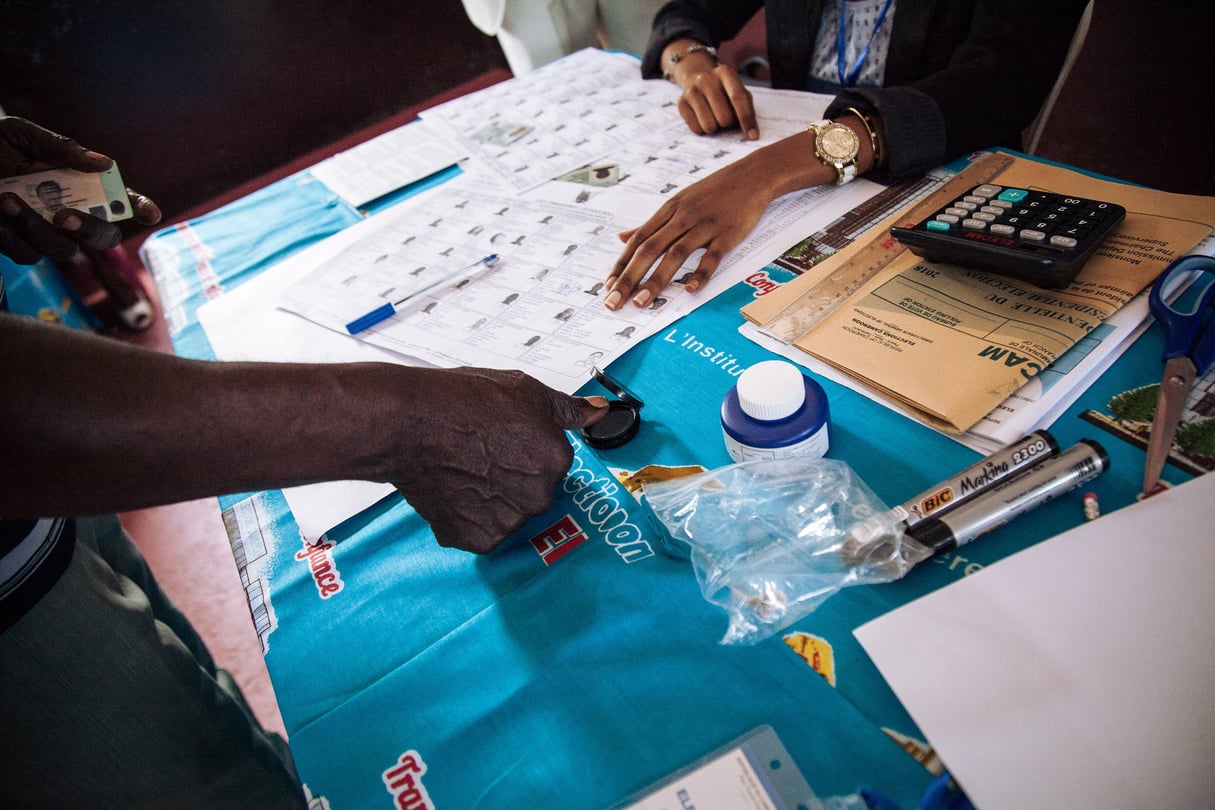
{"x": 770, "y": 540}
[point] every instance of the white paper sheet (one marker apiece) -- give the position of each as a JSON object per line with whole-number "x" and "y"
{"x": 1078, "y": 673}
{"x": 471, "y": 327}
{"x": 388, "y": 162}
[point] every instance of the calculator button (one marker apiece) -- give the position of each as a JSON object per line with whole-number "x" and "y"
{"x": 1026, "y": 233}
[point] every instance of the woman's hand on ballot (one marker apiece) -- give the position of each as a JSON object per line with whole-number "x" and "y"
{"x": 714, "y": 215}
{"x": 714, "y": 97}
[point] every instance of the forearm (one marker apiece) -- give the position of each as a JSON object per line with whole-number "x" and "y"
{"x": 790, "y": 164}
{"x": 90, "y": 425}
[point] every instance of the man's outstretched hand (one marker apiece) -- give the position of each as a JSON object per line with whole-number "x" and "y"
{"x": 489, "y": 452}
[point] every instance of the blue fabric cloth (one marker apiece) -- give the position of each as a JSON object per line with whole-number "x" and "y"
{"x": 533, "y": 677}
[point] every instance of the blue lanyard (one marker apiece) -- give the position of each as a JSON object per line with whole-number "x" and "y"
{"x": 848, "y": 78}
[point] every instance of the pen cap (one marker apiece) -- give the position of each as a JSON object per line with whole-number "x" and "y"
{"x": 771, "y": 390}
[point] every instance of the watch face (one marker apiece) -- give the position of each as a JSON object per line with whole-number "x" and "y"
{"x": 839, "y": 142}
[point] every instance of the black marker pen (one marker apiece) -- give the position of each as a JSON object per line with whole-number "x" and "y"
{"x": 876, "y": 541}
{"x": 995, "y": 507}
{"x": 984, "y": 475}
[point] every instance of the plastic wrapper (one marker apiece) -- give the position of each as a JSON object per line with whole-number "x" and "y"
{"x": 769, "y": 541}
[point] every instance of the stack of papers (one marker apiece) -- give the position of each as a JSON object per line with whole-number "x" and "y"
{"x": 909, "y": 332}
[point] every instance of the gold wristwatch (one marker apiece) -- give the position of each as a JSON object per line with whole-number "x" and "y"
{"x": 837, "y": 146}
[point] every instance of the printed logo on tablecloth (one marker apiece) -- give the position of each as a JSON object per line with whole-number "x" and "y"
{"x": 815, "y": 651}
{"x": 404, "y": 781}
{"x": 599, "y": 497}
{"x": 558, "y": 540}
{"x": 325, "y": 575}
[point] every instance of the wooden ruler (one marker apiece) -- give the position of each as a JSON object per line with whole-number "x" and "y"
{"x": 848, "y": 270}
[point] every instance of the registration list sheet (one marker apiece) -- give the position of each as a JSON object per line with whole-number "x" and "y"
{"x": 538, "y": 306}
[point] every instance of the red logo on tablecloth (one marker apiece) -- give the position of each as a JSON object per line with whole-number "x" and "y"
{"x": 762, "y": 282}
{"x": 404, "y": 781}
{"x": 322, "y": 567}
{"x": 558, "y": 540}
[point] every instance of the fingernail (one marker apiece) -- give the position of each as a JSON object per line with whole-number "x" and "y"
{"x": 613, "y": 300}
{"x": 10, "y": 206}
{"x": 95, "y": 156}
{"x": 753, "y": 134}
{"x": 598, "y": 402}
{"x": 71, "y": 222}
{"x": 693, "y": 285}
{"x": 642, "y": 298}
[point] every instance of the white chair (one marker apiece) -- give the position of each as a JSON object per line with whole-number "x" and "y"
{"x": 1073, "y": 50}
{"x": 535, "y": 32}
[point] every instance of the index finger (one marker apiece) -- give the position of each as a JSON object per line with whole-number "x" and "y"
{"x": 744, "y": 107}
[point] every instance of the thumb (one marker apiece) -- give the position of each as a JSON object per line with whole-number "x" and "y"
{"x": 578, "y": 412}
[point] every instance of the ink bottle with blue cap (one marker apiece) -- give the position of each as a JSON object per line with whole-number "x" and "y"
{"x": 775, "y": 411}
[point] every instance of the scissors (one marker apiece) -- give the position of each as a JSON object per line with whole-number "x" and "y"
{"x": 1189, "y": 349}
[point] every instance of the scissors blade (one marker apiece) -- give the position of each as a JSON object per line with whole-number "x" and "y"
{"x": 1174, "y": 388}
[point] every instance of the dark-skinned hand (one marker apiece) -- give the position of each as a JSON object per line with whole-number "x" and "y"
{"x": 25, "y": 236}
{"x": 487, "y": 453}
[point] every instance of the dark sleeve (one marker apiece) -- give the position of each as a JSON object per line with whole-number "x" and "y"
{"x": 709, "y": 22}
{"x": 977, "y": 92}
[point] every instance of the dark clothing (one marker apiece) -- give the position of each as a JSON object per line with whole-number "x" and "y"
{"x": 960, "y": 75}
{"x": 33, "y": 553}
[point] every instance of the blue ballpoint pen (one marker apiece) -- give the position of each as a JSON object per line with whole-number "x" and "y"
{"x": 389, "y": 308}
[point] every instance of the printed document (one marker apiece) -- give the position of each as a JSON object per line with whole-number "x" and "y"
{"x": 951, "y": 344}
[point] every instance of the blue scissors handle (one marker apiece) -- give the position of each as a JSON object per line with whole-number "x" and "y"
{"x": 1188, "y": 333}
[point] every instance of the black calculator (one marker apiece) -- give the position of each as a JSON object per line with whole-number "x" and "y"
{"x": 1038, "y": 236}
